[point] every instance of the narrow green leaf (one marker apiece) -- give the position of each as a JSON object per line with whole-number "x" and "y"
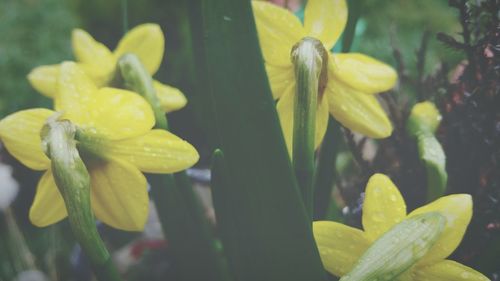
{"x": 187, "y": 231}
{"x": 221, "y": 193}
{"x": 271, "y": 236}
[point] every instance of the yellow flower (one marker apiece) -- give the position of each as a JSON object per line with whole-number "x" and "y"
{"x": 353, "y": 79}
{"x": 115, "y": 140}
{"x": 340, "y": 246}
{"x": 145, "y": 41}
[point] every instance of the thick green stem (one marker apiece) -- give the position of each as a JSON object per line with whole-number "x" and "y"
{"x": 179, "y": 210}
{"x": 73, "y": 181}
{"x": 308, "y": 62}
{"x": 325, "y": 173}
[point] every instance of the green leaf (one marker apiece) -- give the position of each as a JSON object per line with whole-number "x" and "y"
{"x": 186, "y": 229}
{"x": 269, "y": 229}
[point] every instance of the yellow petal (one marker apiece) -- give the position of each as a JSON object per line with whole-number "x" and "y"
{"x": 145, "y": 41}
{"x": 383, "y": 207}
{"x": 118, "y": 114}
{"x": 278, "y": 31}
{"x": 339, "y": 246}
{"x": 111, "y": 113}
{"x": 285, "y": 114}
{"x": 457, "y": 209}
{"x": 448, "y": 270}
{"x": 44, "y": 79}
{"x": 171, "y": 99}
{"x": 75, "y": 92}
{"x": 20, "y": 133}
{"x": 325, "y": 20}
{"x": 89, "y": 51}
{"x": 280, "y": 78}
{"x": 48, "y": 206}
{"x": 119, "y": 194}
{"x": 101, "y": 76}
{"x": 407, "y": 275}
{"x": 364, "y": 73}
{"x": 158, "y": 151}
{"x": 357, "y": 111}
{"x": 285, "y": 109}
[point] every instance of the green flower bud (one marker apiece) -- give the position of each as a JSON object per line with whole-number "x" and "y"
{"x": 424, "y": 118}
{"x": 398, "y": 249}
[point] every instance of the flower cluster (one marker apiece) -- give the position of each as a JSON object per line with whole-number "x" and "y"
{"x": 114, "y": 136}
{"x": 146, "y": 41}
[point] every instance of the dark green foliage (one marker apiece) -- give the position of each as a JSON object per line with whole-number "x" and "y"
{"x": 271, "y": 237}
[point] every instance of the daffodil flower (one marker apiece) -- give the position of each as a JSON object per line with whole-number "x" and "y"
{"x": 145, "y": 41}
{"x": 340, "y": 246}
{"x": 116, "y": 141}
{"x": 353, "y": 79}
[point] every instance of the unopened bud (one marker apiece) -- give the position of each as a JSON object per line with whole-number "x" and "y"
{"x": 312, "y": 49}
{"x": 398, "y": 249}
{"x": 424, "y": 118}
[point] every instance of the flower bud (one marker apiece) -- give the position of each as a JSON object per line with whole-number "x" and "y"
{"x": 314, "y": 49}
{"x": 398, "y": 249}
{"x": 424, "y": 118}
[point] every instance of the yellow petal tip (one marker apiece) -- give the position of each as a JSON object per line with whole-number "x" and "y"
{"x": 78, "y": 33}
{"x": 380, "y": 132}
{"x": 44, "y": 79}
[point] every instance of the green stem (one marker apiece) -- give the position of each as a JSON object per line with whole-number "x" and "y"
{"x": 308, "y": 65}
{"x": 325, "y": 172}
{"x": 73, "y": 181}
{"x": 125, "y": 16}
{"x": 179, "y": 210}
{"x": 352, "y": 21}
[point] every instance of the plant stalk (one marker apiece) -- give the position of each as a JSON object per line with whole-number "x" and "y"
{"x": 73, "y": 181}
{"x": 308, "y": 65}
